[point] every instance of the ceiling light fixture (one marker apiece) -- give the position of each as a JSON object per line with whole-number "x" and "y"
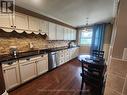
{"x": 86, "y": 26}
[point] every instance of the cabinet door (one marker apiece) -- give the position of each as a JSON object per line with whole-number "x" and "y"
{"x": 69, "y": 34}
{"x": 34, "y": 24}
{"x": 59, "y": 32}
{"x": 62, "y": 61}
{"x": 65, "y": 33}
{"x": 74, "y": 34}
{"x": 11, "y": 76}
{"x": 21, "y": 21}
{"x": 42, "y": 66}
{"x": 71, "y": 53}
{"x": 44, "y": 27}
{"x": 6, "y": 20}
{"x": 77, "y": 51}
{"x": 28, "y": 71}
{"x": 52, "y": 31}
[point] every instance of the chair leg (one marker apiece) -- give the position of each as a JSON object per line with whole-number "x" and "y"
{"x": 81, "y": 87}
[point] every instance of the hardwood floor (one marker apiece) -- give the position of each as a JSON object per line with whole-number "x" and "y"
{"x": 64, "y": 80}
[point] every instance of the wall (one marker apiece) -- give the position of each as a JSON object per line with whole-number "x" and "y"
{"x": 107, "y": 40}
{"x": 84, "y": 49}
{"x": 116, "y": 83}
{"x": 23, "y": 41}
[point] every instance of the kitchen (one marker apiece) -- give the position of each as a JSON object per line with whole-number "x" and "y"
{"x": 41, "y": 42}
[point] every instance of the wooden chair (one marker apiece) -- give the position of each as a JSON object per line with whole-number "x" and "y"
{"x": 92, "y": 75}
{"x": 98, "y": 53}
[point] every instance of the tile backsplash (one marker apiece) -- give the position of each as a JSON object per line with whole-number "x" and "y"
{"x": 24, "y": 43}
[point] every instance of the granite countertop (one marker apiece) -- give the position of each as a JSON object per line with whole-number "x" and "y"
{"x": 88, "y": 59}
{"x": 9, "y": 57}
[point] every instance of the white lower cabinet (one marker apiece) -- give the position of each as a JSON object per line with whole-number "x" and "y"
{"x": 74, "y": 52}
{"x": 66, "y": 59}
{"x": 27, "y": 71}
{"x": 60, "y": 57}
{"x": 62, "y": 61}
{"x": 42, "y": 65}
{"x": 11, "y": 76}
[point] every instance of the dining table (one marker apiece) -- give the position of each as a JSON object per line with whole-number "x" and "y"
{"x": 94, "y": 65}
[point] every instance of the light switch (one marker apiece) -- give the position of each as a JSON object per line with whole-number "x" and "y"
{"x": 125, "y": 54}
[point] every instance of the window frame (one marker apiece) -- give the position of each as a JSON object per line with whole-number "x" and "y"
{"x": 80, "y": 32}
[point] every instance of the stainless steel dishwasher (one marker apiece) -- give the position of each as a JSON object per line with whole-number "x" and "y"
{"x": 52, "y": 60}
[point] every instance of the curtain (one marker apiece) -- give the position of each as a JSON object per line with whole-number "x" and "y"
{"x": 98, "y": 37}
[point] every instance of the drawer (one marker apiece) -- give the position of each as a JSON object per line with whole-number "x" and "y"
{"x": 62, "y": 51}
{"x": 24, "y": 60}
{"x": 67, "y": 59}
{"x": 35, "y": 58}
{"x": 62, "y": 55}
{"x": 61, "y": 61}
{"x": 67, "y": 54}
{"x": 7, "y": 64}
{"x": 45, "y": 56}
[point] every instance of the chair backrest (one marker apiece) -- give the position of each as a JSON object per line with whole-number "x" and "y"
{"x": 98, "y": 53}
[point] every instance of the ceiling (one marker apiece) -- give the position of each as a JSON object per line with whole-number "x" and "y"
{"x": 72, "y": 12}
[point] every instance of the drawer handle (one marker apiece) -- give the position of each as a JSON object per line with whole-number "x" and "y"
{"x": 10, "y": 63}
{"x": 28, "y": 59}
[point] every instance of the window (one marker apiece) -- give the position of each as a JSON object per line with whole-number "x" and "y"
{"x": 86, "y": 37}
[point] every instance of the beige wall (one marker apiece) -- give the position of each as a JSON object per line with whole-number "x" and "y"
{"x": 107, "y": 40}
{"x": 116, "y": 83}
{"x": 84, "y": 50}
{"x": 121, "y": 36}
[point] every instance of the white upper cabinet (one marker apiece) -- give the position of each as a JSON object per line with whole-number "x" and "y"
{"x": 34, "y": 24}
{"x": 52, "y": 31}
{"x": 69, "y": 34}
{"x": 65, "y": 33}
{"x": 44, "y": 27}
{"x": 59, "y": 32}
{"x": 74, "y": 34}
{"x": 21, "y": 21}
{"x": 6, "y": 20}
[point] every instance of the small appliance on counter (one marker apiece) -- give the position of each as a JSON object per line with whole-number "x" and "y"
{"x": 72, "y": 44}
{"x": 13, "y": 51}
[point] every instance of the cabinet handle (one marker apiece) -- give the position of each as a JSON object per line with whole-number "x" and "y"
{"x": 10, "y": 63}
{"x": 28, "y": 59}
